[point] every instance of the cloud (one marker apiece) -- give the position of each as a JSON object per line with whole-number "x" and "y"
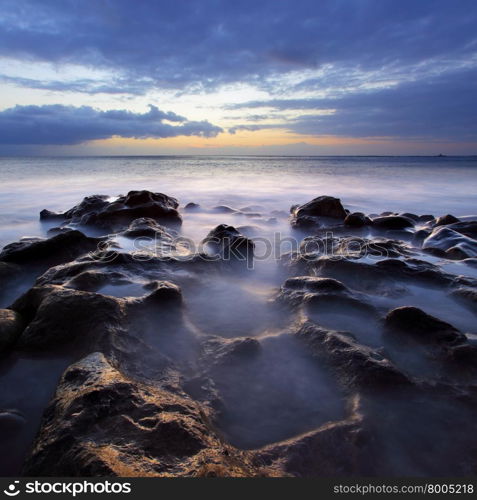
{"x": 67, "y": 125}
{"x": 442, "y": 107}
{"x": 211, "y": 42}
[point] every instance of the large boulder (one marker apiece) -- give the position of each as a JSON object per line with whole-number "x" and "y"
{"x": 308, "y": 214}
{"x": 115, "y": 215}
{"x": 102, "y": 423}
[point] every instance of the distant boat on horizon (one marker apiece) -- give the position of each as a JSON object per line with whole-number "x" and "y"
{"x": 440, "y": 155}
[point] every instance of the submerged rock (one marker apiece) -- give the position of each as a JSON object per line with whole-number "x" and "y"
{"x": 191, "y": 207}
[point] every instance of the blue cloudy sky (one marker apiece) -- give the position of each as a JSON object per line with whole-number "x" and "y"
{"x": 249, "y": 77}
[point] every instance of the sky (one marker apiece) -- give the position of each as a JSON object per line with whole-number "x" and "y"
{"x": 292, "y": 77}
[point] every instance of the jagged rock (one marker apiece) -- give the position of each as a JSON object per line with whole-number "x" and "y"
{"x": 450, "y": 243}
{"x": 115, "y": 215}
{"x": 357, "y": 219}
{"x": 396, "y": 222}
{"x": 11, "y": 326}
{"x": 61, "y": 248}
{"x": 422, "y": 327}
{"x": 444, "y": 220}
{"x": 356, "y": 366}
{"x": 101, "y": 423}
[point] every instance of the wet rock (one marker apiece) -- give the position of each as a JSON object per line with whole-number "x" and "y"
{"x": 11, "y": 327}
{"x": 422, "y": 327}
{"x": 146, "y": 227}
{"x": 444, "y": 220}
{"x": 450, "y": 243}
{"x": 323, "y": 206}
{"x": 115, "y": 215}
{"x": 49, "y": 215}
{"x": 314, "y": 284}
{"x": 410, "y": 216}
{"x": 467, "y": 228}
{"x": 63, "y": 247}
{"x": 191, "y": 207}
{"x": 101, "y": 423}
{"x": 392, "y": 222}
{"x": 9, "y": 271}
{"x": 223, "y": 352}
{"x": 228, "y": 244}
{"x": 426, "y": 218}
{"x": 164, "y": 294}
{"x": 466, "y": 295}
{"x": 419, "y": 236}
{"x": 357, "y": 219}
{"x": 355, "y": 365}
{"x": 58, "y": 317}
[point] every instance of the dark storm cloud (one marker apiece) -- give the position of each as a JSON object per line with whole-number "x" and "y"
{"x": 444, "y": 106}
{"x": 206, "y": 43}
{"x": 56, "y": 124}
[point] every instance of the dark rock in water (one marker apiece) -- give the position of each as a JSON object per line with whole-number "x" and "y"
{"x": 146, "y": 227}
{"x": 11, "y": 327}
{"x": 164, "y": 294}
{"x": 393, "y": 222}
{"x": 229, "y": 245}
{"x": 468, "y": 296}
{"x": 422, "y": 327}
{"x": 191, "y": 207}
{"x": 52, "y": 251}
{"x": 411, "y": 216}
{"x": 357, "y": 219}
{"x": 101, "y": 423}
{"x": 323, "y": 206}
{"x": 426, "y": 218}
{"x": 444, "y": 220}
{"x": 387, "y": 214}
{"x": 356, "y": 366}
{"x": 467, "y": 228}
{"x": 48, "y": 215}
{"x": 224, "y": 209}
{"x": 453, "y": 244}
{"x": 97, "y": 211}
{"x": 419, "y": 236}
{"x": 58, "y": 230}
{"x": 9, "y": 271}
{"x": 314, "y": 284}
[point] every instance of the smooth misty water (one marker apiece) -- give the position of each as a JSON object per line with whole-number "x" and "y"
{"x": 371, "y": 184}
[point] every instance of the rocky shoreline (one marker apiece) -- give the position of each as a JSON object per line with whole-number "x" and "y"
{"x": 343, "y": 384}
